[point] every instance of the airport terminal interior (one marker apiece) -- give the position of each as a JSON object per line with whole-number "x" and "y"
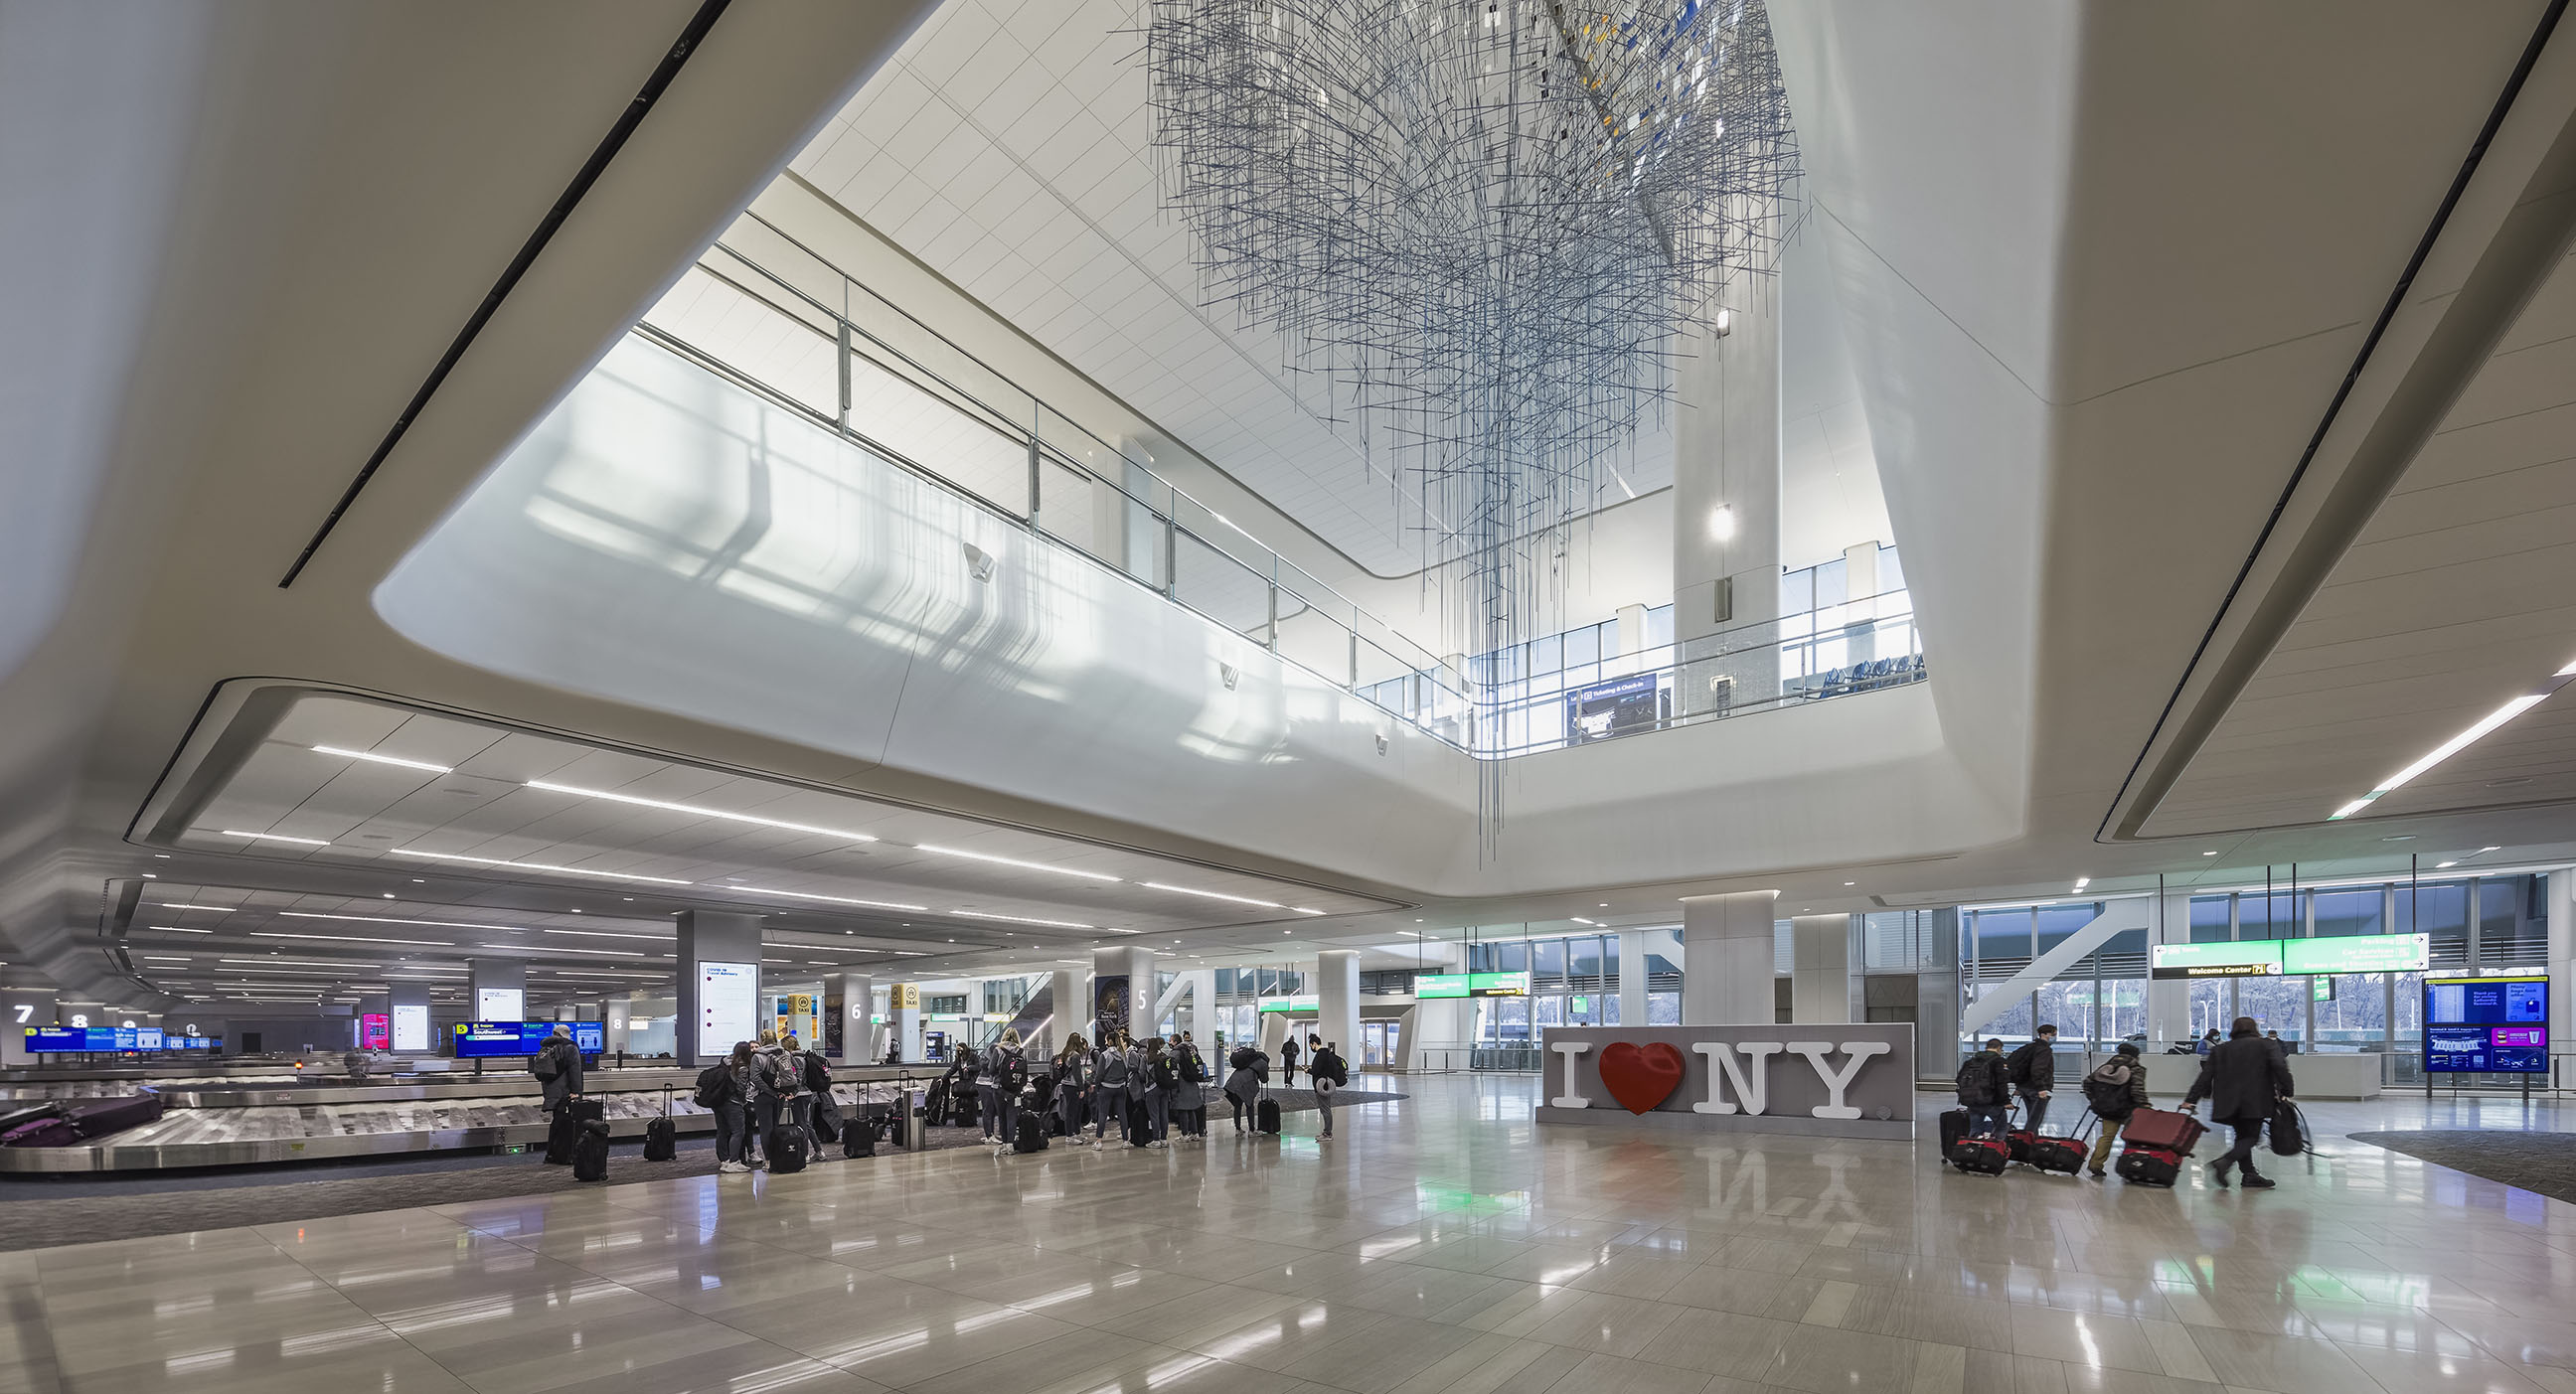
{"x": 1338, "y": 696}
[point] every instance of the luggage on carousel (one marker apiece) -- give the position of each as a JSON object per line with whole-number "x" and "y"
{"x": 71, "y": 1122}
{"x": 590, "y": 1151}
{"x": 661, "y": 1141}
{"x": 1265, "y": 1115}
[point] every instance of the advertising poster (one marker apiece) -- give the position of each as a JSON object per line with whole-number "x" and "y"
{"x": 1109, "y": 1001}
{"x": 728, "y": 1005}
{"x": 411, "y": 1026}
{"x": 375, "y": 1031}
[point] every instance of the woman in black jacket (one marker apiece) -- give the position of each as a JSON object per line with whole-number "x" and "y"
{"x": 2244, "y": 1079}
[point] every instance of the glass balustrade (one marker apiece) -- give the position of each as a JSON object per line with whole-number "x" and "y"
{"x": 776, "y": 317}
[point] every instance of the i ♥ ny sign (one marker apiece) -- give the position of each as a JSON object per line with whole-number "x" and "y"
{"x": 1836, "y": 1074}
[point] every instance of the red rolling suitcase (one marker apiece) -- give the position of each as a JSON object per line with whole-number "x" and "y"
{"x": 2154, "y": 1145}
{"x": 1985, "y": 1156}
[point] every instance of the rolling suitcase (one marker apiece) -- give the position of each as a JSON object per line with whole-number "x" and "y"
{"x": 565, "y": 1128}
{"x": 2059, "y": 1154}
{"x": 1032, "y": 1134}
{"x": 590, "y": 1151}
{"x": 1265, "y": 1115}
{"x": 661, "y": 1141}
{"x": 859, "y": 1139}
{"x": 788, "y": 1149}
{"x": 1983, "y": 1156}
{"x": 2147, "y": 1166}
{"x": 2163, "y": 1130}
{"x": 1954, "y": 1126}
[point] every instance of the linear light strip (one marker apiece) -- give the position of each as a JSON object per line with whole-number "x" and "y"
{"x": 174, "y": 929}
{"x": 833, "y": 899}
{"x": 1019, "y": 919}
{"x": 535, "y": 952}
{"x": 218, "y": 909}
{"x": 539, "y": 866}
{"x": 609, "y": 934}
{"x": 1013, "y": 861}
{"x": 388, "y": 919}
{"x": 1215, "y": 895}
{"x": 2453, "y": 746}
{"x": 373, "y": 758}
{"x": 278, "y": 837}
{"x": 341, "y": 938}
{"x": 700, "y": 811}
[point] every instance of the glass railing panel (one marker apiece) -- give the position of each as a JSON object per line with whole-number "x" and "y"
{"x": 1313, "y": 639}
{"x": 1221, "y": 588}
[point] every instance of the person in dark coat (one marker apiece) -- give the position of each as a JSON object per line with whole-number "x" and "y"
{"x": 557, "y": 1067}
{"x": 1288, "y": 1061}
{"x": 2114, "y": 1092}
{"x": 2244, "y": 1078}
{"x": 1985, "y": 1090}
{"x": 2033, "y": 1071}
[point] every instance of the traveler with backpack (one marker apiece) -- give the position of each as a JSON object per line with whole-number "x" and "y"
{"x": 1326, "y": 1072}
{"x": 1161, "y": 1082}
{"x": 1189, "y": 1099}
{"x": 2114, "y": 1091}
{"x": 1005, "y": 1073}
{"x": 823, "y": 1116}
{"x": 1288, "y": 1061}
{"x": 1243, "y": 1087}
{"x": 2033, "y": 1072}
{"x": 1985, "y": 1090}
{"x": 1073, "y": 1067}
{"x": 782, "y": 1086}
{"x": 1109, "y": 1090}
{"x": 2244, "y": 1078}
{"x": 725, "y": 1090}
{"x": 557, "y": 1066}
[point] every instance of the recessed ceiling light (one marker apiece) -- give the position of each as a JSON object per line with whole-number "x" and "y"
{"x": 2209, "y": 854}
{"x": 832, "y": 899}
{"x": 278, "y": 837}
{"x": 1214, "y": 895}
{"x": 1012, "y": 861}
{"x": 2454, "y": 745}
{"x": 373, "y": 758}
{"x": 1578, "y": 919}
{"x": 700, "y": 811}
{"x": 2444, "y": 866}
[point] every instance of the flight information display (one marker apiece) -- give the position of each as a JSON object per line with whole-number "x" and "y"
{"x": 477, "y": 1040}
{"x": 2487, "y": 1025}
{"x": 64, "y": 1039}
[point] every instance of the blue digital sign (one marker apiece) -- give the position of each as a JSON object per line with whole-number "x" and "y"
{"x": 63, "y": 1039}
{"x": 482, "y": 1040}
{"x": 2486, "y": 1025}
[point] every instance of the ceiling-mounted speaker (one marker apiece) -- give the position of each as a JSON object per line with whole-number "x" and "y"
{"x": 979, "y": 563}
{"x": 1227, "y": 672}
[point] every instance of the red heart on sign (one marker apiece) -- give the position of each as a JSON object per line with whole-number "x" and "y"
{"x": 1640, "y": 1077}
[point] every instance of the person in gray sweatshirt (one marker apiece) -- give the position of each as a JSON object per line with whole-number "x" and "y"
{"x": 996, "y": 1088}
{"x": 1073, "y": 1078}
{"x": 1160, "y": 1081}
{"x": 1243, "y": 1087}
{"x": 1109, "y": 1089}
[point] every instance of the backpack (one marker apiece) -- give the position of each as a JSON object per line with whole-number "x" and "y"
{"x": 818, "y": 1076}
{"x": 1164, "y": 1076}
{"x": 2107, "y": 1088}
{"x": 710, "y": 1088}
{"x": 1980, "y": 1081}
{"x": 1329, "y": 1066}
{"x": 1014, "y": 1074}
{"x": 2017, "y": 1066}
{"x": 547, "y": 1066}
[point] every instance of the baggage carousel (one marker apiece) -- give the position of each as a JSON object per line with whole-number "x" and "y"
{"x": 256, "y": 1117}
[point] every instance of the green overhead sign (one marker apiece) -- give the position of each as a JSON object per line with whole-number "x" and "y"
{"x": 1301, "y": 1002}
{"x": 1439, "y": 985}
{"x": 2263, "y": 958}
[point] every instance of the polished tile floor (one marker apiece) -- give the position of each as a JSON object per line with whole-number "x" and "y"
{"x": 1441, "y": 1243}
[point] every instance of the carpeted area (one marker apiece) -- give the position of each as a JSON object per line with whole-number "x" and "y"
{"x": 2542, "y": 1163}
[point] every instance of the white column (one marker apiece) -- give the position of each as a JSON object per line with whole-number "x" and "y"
{"x": 1726, "y": 959}
{"x": 1201, "y": 1021}
{"x": 1337, "y": 1000}
{"x": 1070, "y": 990}
{"x": 1633, "y": 946}
{"x": 903, "y": 1021}
{"x": 2168, "y": 1000}
{"x": 1726, "y": 493}
{"x": 25, "y": 1008}
{"x": 2562, "y": 974}
{"x": 1820, "y": 968}
{"x": 619, "y": 1024}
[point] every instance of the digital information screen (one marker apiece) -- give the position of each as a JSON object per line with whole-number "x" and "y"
{"x": 489, "y": 1039}
{"x": 65, "y": 1039}
{"x": 1427, "y": 985}
{"x": 1498, "y": 984}
{"x": 2487, "y": 1025}
{"x": 499, "y": 1004}
{"x": 1613, "y": 709}
{"x": 411, "y": 1026}
{"x": 1297, "y": 1002}
{"x": 728, "y": 1005}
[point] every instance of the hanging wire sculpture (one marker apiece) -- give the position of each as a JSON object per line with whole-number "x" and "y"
{"x": 1485, "y": 227}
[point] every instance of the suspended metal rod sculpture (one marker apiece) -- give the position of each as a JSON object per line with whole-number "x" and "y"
{"x": 1485, "y": 226}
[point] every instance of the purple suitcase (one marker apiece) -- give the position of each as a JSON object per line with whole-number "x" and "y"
{"x": 74, "y": 1122}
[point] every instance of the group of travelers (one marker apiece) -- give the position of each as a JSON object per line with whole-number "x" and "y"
{"x": 2245, "y": 1077}
{"x": 759, "y": 1087}
{"x": 1148, "y": 1091}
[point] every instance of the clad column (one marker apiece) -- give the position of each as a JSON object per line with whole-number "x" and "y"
{"x": 1069, "y": 997}
{"x": 1820, "y": 968}
{"x": 903, "y": 1019}
{"x": 1337, "y": 1001}
{"x": 719, "y": 969}
{"x": 1633, "y": 947}
{"x": 496, "y": 989}
{"x": 618, "y": 1023}
{"x": 858, "y": 992}
{"x": 2169, "y": 999}
{"x": 1122, "y": 989}
{"x": 1726, "y": 496}
{"x": 25, "y": 1009}
{"x": 2561, "y": 891}
{"x": 1726, "y": 959}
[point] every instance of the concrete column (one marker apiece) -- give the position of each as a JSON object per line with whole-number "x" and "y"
{"x": 903, "y": 1020}
{"x": 1936, "y": 998}
{"x": 1632, "y": 630}
{"x": 496, "y": 989}
{"x": 1726, "y": 494}
{"x": 1122, "y": 989}
{"x": 1821, "y": 969}
{"x": 1337, "y": 1001}
{"x": 1726, "y": 959}
{"x": 408, "y": 1004}
{"x": 1633, "y": 946}
{"x": 24, "y": 1009}
{"x": 1070, "y": 989}
{"x": 858, "y": 993}
{"x": 2168, "y": 1000}
{"x": 618, "y": 1024}
{"x": 704, "y": 1031}
{"x": 2561, "y": 900}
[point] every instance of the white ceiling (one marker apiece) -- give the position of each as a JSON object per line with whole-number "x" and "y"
{"x": 1010, "y": 148}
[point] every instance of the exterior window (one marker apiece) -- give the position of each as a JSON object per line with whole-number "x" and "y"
{"x": 1663, "y": 1009}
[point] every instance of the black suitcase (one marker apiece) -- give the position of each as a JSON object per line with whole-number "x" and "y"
{"x": 565, "y": 1129}
{"x": 1139, "y": 1124}
{"x": 2059, "y": 1154}
{"x": 590, "y": 1151}
{"x": 661, "y": 1141}
{"x": 1954, "y": 1126}
{"x": 1032, "y": 1134}
{"x": 859, "y": 1139}
{"x": 2148, "y": 1166}
{"x": 827, "y": 1119}
{"x": 1265, "y": 1115}
{"x": 789, "y": 1150}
